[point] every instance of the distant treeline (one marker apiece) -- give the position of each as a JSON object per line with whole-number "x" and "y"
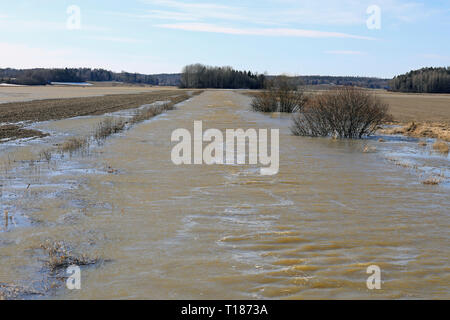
{"x": 432, "y": 80}
{"x": 46, "y": 76}
{"x": 201, "y": 76}
{"x": 425, "y": 80}
{"x": 363, "y": 82}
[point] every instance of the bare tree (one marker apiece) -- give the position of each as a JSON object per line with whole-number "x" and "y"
{"x": 283, "y": 94}
{"x": 346, "y": 112}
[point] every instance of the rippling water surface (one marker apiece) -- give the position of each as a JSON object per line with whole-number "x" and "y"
{"x": 224, "y": 231}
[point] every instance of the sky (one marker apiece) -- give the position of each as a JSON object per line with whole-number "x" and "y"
{"x": 295, "y": 37}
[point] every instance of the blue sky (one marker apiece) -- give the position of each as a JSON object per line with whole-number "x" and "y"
{"x": 274, "y": 36}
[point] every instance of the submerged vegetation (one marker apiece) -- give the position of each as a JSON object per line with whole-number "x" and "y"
{"x": 147, "y": 113}
{"x": 439, "y": 131}
{"x": 108, "y": 127}
{"x": 111, "y": 125}
{"x": 10, "y": 291}
{"x": 441, "y": 146}
{"x": 72, "y": 144}
{"x": 280, "y": 95}
{"x": 346, "y": 112}
{"x": 432, "y": 181}
{"x": 60, "y": 255}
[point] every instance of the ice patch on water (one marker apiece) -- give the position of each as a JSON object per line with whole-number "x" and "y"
{"x": 406, "y": 152}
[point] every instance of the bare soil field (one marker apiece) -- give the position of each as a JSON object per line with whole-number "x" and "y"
{"x": 408, "y": 107}
{"x": 421, "y": 115}
{"x": 28, "y": 93}
{"x": 54, "y": 109}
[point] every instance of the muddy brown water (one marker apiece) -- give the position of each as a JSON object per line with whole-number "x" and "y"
{"x": 224, "y": 231}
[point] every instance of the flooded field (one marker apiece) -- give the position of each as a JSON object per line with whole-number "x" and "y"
{"x": 224, "y": 231}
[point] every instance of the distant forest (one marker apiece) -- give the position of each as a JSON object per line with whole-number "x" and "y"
{"x": 46, "y": 76}
{"x": 425, "y": 80}
{"x": 201, "y": 76}
{"x": 432, "y": 80}
{"x": 363, "y": 82}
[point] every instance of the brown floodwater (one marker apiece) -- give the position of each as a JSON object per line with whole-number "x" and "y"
{"x": 225, "y": 231}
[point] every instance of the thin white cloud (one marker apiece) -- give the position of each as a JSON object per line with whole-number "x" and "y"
{"x": 201, "y": 11}
{"x": 294, "y": 12}
{"x": 155, "y": 14}
{"x": 114, "y": 39}
{"x": 344, "y": 52}
{"x": 277, "y": 32}
{"x": 184, "y": 5}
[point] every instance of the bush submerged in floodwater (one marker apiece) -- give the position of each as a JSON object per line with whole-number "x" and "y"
{"x": 281, "y": 95}
{"x": 346, "y": 112}
{"x": 60, "y": 256}
{"x": 441, "y": 146}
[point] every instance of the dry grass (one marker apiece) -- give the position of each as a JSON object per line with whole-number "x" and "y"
{"x": 402, "y": 163}
{"x": 45, "y": 155}
{"x": 60, "y": 256}
{"x": 431, "y": 181}
{"x": 421, "y": 115}
{"x": 441, "y": 146}
{"x": 369, "y": 149}
{"x": 13, "y": 291}
{"x": 150, "y": 112}
{"x": 73, "y": 144}
{"x": 421, "y": 130}
{"x": 111, "y": 170}
{"x": 108, "y": 127}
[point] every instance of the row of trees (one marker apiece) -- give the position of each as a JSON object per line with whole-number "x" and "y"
{"x": 201, "y": 76}
{"x": 282, "y": 94}
{"x": 45, "y": 76}
{"x": 363, "y": 82}
{"x": 425, "y": 80}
